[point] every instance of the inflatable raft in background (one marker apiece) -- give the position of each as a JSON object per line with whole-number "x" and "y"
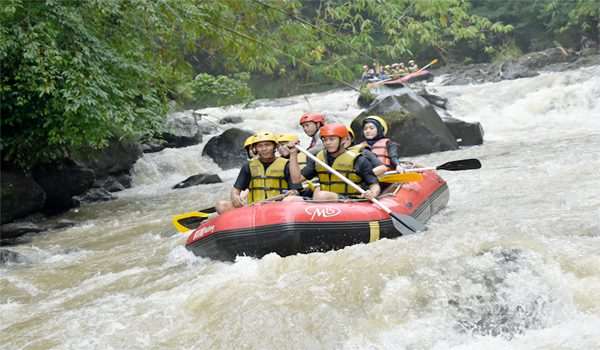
{"x": 288, "y": 228}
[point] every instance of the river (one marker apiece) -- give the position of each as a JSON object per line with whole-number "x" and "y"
{"x": 513, "y": 262}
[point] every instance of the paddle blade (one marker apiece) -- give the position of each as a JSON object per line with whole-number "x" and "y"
{"x": 404, "y": 177}
{"x": 189, "y": 221}
{"x": 405, "y": 224}
{"x": 464, "y": 164}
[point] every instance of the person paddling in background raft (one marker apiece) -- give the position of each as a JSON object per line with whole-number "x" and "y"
{"x": 388, "y": 152}
{"x": 351, "y": 164}
{"x": 265, "y": 176}
{"x": 310, "y": 123}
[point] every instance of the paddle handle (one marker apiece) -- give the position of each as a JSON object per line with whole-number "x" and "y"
{"x": 343, "y": 178}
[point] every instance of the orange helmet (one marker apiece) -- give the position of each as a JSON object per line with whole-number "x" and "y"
{"x": 312, "y": 117}
{"x": 335, "y": 129}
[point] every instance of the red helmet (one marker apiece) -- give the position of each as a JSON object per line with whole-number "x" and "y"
{"x": 335, "y": 129}
{"x": 312, "y": 117}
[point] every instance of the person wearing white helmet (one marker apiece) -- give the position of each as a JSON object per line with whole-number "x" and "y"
{"x": 265, "y": 176}
{"x": 412, "y": 66}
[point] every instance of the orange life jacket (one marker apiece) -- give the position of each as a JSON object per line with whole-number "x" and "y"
{"x": 381, "y": 151}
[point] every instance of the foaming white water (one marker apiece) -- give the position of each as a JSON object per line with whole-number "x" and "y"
{"x": 512, "y": 263}
{"x": 548, "y": 105}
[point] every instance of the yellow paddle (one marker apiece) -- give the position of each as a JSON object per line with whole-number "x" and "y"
{"x": 404, "y": 177}
{"x": 189, "y": 221}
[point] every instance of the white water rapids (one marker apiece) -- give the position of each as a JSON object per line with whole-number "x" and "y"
{"x": 513, "y": 262}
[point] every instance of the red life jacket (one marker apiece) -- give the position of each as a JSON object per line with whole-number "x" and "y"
{"x": 381, "y": 151}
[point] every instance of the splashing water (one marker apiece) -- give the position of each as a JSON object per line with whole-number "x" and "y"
{"x": 512, "y": 262}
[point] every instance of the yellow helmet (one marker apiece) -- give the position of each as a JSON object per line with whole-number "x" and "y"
{"x": 287, "y": 138}
{"x": 264, "y": 136}
{"x": 351, "y": 133}
{"x": 378, "y": 120}
{"x": 249, "y": 141}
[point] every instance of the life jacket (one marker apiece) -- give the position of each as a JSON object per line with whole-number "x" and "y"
{"x": 344, "y": 164}
{"x": 301, "y": 160}
{"x": 358, "y": 148}
{"x": 269, "y": 183}
{"x": 381, "y": 151}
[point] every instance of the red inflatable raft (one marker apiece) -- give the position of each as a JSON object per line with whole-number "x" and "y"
{"x": 288, "y": 228}
{"x": 410, "y": 78}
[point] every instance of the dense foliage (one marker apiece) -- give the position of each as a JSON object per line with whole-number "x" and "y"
{"x": 77, "y": 72}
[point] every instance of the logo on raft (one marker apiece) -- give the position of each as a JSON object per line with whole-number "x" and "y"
{"x": 322, "y": 212}
{"x": 203, "y": 231}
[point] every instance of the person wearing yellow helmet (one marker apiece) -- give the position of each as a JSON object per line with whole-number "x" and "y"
{"x": 352, "y": 164}
{"x": 248, "y": 146}
{"x": 375, "y": 130}
{"x": 265, "y": 176}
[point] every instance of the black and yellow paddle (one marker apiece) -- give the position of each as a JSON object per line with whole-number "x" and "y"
{"x": 191, "y": 220}
{"x": 394, "y": 177}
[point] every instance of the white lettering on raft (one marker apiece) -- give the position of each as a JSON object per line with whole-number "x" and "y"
{"x": 322, "y": 212}
{"x": 203, "y": 231}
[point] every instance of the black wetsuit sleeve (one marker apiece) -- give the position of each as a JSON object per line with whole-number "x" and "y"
{"x": 372, "y": 157}
{"x": 309, "y": 171}
{"x": 243, "y": 180}
{"x": 394, "y": 153}
{"x": 364, "y": 169}
{"x": 288, "y": 178}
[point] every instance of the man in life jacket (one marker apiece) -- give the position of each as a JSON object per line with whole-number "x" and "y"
{"x": 311, "y": 123}
{"x": 388, "y": 152}
{"x": 378, "y": 167}
{"x": 351, "y": 164}
{"x": 265, "y": 176}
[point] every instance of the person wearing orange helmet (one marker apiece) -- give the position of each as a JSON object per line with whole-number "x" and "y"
{"x": 351, "y": 164}
{"x": 265, "y": 176}
{"x": 310, "y": 123}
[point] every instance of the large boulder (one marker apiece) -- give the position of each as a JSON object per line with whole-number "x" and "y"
{"x": 227, "y": 149}
{"x": 466, "y": 134}
{"x": 118, "y": 157}
{"x": 181, "y": 129}
{"x": 413, "y": 122}
{"x": 20, "y": 194}
{"x": 61, "y": 180}
{"x": 198, "y": 179}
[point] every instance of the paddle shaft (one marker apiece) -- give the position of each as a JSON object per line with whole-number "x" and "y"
{"x": 343, "y": 178}
{"x": 427, "y": 65}
{"x": 413, "y": 170}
